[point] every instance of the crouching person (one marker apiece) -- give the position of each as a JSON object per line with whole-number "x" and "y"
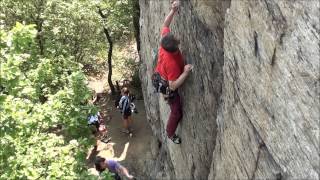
{"x": 100, "y": 128}
{"x": 113, "y": 167}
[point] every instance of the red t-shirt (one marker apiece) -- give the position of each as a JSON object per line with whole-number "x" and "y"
{"x": 170, "y": 65}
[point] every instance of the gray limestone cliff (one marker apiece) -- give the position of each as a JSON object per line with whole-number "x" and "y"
{"x": 251, "y": 104}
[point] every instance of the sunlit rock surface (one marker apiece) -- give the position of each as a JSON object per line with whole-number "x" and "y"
{"x": 251, "y": 104}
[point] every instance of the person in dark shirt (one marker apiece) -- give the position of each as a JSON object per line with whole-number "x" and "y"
{"x": 124, "y": 106}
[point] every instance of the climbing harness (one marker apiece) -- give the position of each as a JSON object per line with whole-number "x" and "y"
{"x": 161, "y": 86}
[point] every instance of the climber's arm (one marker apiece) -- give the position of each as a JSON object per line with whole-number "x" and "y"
{"x": 124, "y": 171}
{"x": 173, "y": 85}
{"x": 174, "y": 9}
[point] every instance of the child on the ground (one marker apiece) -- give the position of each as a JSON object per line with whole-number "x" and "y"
{"x": 124, "y": 105}
{"x": 100, "y": 127}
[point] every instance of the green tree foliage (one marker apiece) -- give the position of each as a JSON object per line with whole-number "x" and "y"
{"x": 43, "y": 110}
{"x": 71, "y": 27}
{"x": 64, "y": 27}
{"x": 119, "y": 17}
{"x": 44, "y": 45}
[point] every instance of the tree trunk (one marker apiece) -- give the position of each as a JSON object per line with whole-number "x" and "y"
{"x": 106, "y": 32}
{"x": 135, "y": 19}
{"x": 39, "y": 36}
{"x": 39, "y": 24}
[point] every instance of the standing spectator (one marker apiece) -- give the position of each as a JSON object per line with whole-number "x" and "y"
{"x": 124, "y": 105}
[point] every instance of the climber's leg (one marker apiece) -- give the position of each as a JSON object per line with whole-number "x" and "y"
{"x": 175, "y": 115}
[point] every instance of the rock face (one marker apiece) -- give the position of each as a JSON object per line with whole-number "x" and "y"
{"x": 251, "y": 104}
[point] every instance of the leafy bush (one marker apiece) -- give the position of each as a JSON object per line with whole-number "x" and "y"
{"x": 43, "y": 110}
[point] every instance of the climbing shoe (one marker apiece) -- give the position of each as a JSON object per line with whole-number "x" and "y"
{"x": 176, "y": 139}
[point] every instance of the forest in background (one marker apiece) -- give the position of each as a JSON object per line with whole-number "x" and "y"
{"x": 48, "y": 47}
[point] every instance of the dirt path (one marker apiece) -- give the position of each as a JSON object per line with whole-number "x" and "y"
{"x": 138, "y": 152}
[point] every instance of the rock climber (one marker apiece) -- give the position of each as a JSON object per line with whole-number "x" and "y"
{"x": 172, "y": 68}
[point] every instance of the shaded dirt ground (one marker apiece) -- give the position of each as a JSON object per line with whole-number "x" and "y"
{"x": 138, "y": 146}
